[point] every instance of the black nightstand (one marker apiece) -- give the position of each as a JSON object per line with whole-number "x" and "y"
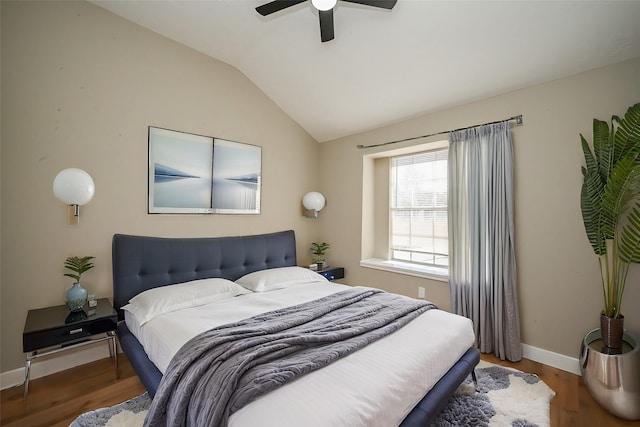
{"x": 333, "y": 273}
{"x": 53, "y": 329}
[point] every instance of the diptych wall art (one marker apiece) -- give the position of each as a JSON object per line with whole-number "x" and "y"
{"x": 195, "y": 174}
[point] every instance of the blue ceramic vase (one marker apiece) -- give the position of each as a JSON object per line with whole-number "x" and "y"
{"x": 76, "y": 297}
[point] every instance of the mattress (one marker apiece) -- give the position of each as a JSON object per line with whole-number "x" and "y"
{"x": 375, "y": 386}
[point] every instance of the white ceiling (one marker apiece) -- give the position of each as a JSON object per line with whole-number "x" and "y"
{"x": 384, "y": 66}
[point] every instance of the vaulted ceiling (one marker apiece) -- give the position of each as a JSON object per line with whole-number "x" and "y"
{"x": 385, "y": 66}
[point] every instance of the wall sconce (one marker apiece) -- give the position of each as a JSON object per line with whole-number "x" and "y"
{"x": 313, "y": 203}
{"x": 73, "y": 187}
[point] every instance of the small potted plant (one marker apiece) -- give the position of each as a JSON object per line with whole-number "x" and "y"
{"x": 318, "y": 251}
{"x": 76, "y": 296}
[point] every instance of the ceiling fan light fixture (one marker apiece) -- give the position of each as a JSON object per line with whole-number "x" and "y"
{"x": 324, "y": 4}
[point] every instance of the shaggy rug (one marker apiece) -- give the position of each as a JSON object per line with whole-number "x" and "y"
{"x": 505, "y": 397}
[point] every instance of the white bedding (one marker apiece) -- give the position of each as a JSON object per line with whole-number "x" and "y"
{"x": 357, "y": 390}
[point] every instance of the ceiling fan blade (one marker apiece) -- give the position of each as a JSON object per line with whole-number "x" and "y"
{"x": 276, "y": 6}
{"x": 385, "y": 4}
{"x": 326, "y": 25}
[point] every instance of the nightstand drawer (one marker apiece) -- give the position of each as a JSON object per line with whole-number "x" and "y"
{"x": 47, "y": 338}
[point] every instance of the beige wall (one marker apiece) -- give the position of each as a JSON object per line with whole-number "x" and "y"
{"x": 558, "y": 280}
{"x": 80, "y": 87}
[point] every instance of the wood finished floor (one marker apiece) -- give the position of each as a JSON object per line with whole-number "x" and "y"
{"x": 58, "y": 399}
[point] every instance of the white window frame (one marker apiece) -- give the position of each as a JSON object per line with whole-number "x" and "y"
{"x": 397, "y": 266}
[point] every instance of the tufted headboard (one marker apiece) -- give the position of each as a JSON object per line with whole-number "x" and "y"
{"x": 141, "y": 263}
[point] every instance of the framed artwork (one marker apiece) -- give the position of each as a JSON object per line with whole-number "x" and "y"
{"x": 237, "y": 171}
{"x": 195, "y": 174}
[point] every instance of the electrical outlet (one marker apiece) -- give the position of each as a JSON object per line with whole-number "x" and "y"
{"x": 421, "y": 292}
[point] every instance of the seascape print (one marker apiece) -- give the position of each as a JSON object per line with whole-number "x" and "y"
{"x": 180, "y": 169}
{"x": 237, "y": 172}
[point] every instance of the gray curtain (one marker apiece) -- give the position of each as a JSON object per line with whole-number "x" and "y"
{"x": 482, "y": 265}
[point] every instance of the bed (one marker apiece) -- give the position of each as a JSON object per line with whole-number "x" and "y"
{"x": 142, "y": 263}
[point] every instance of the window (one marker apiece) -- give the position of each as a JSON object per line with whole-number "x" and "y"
{"x": 418, "y": 209}
{"x": 404, "y": 210}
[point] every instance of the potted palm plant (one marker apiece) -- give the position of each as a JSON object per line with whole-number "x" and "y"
{"x": 610, "y": 202}
{"x": 318, "y": 251}
{"x": 76, "y": 296}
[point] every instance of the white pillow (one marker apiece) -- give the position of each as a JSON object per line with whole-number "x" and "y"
{"x": 164, "y": 299}
{"x": 278, "y": 278}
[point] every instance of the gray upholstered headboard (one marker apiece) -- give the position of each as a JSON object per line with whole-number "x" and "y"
{"x": 141, "y": 263}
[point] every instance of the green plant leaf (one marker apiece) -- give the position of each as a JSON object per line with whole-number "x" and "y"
{"x": 78, "y": 265}
{"x": 603, "y": 148}
{"x": 73, "y": 276}
{"x": 619, "y": 190}
{"x": 319, "y": 248}
{"x": 591, "y": 218}
{"x": 628, "y": 132}
{"x": 591, "y": 200}
{"x": 629, "y": 244}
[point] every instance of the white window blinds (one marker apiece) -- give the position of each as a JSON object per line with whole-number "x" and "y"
{"x": 419, "y": 232}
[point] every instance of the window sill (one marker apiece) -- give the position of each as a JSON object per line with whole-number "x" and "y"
{"x": 433, "y": 273}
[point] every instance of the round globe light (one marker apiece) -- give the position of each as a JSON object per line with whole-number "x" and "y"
{"x": 324, "y": 5}
{"x": 313, "y": 201}
{"x": 73, "y": 187}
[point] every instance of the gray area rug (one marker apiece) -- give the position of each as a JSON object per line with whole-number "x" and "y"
{"x": 129, "y": 413}
{"x": 505, "y": 397}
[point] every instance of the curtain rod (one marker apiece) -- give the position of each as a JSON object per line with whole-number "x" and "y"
{"x": 516, "y": 119}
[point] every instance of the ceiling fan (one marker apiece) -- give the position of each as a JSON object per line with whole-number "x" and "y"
{"x": 325, "y": 11}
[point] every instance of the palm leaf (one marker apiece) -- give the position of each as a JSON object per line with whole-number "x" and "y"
{"x": 78, "y": 265}
{"x": 603, "y": 148}
{"x": 629, "y": 244}
{"x": 628, "y": 132}
{"x": 590, "y": 160}
{"x": 619, "y": 190}
{"x": 591, "y": 200}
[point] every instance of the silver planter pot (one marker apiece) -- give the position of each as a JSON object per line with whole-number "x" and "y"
{"x": 612, "y": 379}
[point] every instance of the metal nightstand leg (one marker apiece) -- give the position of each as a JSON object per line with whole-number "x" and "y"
{"x": 27, "y": 373}
{"x": 113, "y": 350}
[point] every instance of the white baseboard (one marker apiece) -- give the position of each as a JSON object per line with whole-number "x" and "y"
{"x": 52, "y": 364}
{"x": 549, "y": 358}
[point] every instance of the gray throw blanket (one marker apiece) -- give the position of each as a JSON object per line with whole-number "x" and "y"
{"x": 221, "y": 370}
